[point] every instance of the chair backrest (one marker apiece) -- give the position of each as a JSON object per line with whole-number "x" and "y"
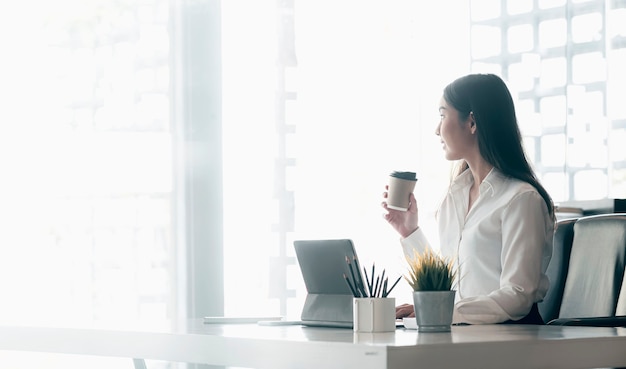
{"x": 567, "y": 212}
{"x": 557, "y": 269}
{"x": 596, "y": 267}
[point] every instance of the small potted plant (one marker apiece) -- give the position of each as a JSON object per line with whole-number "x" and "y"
{"x": 432, "y": 278}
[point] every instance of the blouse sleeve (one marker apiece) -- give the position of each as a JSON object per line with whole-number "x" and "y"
{"x": 416, "y": 241}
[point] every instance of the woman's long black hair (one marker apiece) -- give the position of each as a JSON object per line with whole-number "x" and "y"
{"x": 488, "y": 98}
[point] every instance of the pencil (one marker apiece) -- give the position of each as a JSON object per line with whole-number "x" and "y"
{"x": 394, "y": 284}
{"x": 357, "y": 292}
{"x": 357, "y": 266}
{"x": 376, "y": 287}
{"x": 372, "y": 285}
{"x": 369, "y": 286}
{"x": 385, "y": 287}
{"x": 379, "y": 285}
{"x": 350, "y": 285}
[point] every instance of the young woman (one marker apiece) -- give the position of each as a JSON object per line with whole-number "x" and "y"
{"x": 496, "y": 220}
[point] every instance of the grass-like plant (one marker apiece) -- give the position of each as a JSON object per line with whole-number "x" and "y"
{"x": 430, "y": 271}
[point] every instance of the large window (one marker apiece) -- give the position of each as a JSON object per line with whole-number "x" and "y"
{"x": 322, "y": 100}
{"x": 565, "y": 61}
{"x": 86, "y": 161}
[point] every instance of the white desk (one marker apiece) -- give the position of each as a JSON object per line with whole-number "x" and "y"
{"x": 295, "y": 347}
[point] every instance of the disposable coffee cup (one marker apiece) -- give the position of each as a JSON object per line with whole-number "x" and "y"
{"x": 401, "y": 185}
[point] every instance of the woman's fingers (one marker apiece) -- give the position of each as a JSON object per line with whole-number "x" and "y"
{"x": 404, "y": 310}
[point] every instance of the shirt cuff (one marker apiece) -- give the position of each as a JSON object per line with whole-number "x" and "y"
{"x": 416, "y": 241}
{"x": 478, "y": 310}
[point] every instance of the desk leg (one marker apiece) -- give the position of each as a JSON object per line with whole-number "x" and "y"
{"x": 139, "y": 363}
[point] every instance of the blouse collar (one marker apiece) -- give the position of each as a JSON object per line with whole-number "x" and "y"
{"x": 490, "y": 184}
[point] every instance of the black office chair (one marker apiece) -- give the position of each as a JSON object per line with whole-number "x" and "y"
{"x": 557, "y": 269}
{"x": 594, "y": 293}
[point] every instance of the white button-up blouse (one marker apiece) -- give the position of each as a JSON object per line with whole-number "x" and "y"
{"x": 502, "y": 247}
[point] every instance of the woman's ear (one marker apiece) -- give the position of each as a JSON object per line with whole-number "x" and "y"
{"x": 472, "y": 122}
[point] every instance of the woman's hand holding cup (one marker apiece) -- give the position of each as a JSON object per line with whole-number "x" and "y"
{"x": 400, "y": 203}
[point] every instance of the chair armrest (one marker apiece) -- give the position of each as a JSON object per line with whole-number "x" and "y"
{"x": 604, "y": 321}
